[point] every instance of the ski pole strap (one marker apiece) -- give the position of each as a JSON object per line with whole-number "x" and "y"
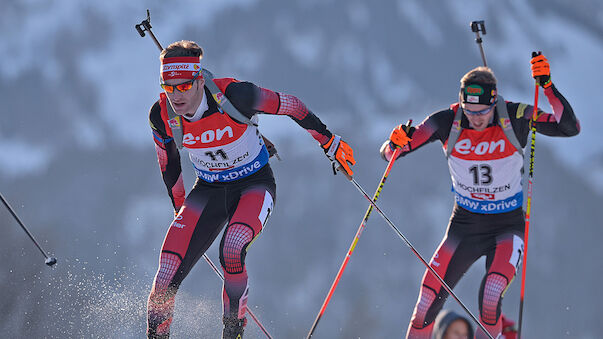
{"x": 333, "y": 148}
{"x": 175, "y": 122}
{"x": 504, "y": 122}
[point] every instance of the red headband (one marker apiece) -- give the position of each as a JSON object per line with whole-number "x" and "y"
{"x": 179, "y": 68}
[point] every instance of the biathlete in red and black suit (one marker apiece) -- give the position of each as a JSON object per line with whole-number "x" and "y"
{"x": 234, "y": 187}
{"x": 483, "y": 138}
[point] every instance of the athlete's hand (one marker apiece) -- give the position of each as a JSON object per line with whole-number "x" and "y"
{"x": 541, "y": 70}
{"x": 400, "y": 136}
{"x": 340, "y": 153}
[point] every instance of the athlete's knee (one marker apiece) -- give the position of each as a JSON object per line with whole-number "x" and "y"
{"x": 491, "y": 293}
{"x": 233, "y": 248}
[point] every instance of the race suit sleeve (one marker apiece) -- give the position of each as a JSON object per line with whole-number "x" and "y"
{"x": 168, "y": 158}
{"x": 435, "y": 127}
{"x": 561, "y": 123}
{"x": 250, "y": 99}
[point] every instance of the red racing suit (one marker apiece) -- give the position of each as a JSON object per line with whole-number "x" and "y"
{"x": 235, "y": 187}
{"x": 487, "y": 218}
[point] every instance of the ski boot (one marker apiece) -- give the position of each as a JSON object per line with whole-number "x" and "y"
{"x": 233, "y": 328}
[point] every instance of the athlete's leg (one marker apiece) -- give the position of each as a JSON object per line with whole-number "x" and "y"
{"x": 193, "y": 230}
{"x": 501, "y": 267}
{"x": 451, "y": 260}
{"x": 252, "y": 211}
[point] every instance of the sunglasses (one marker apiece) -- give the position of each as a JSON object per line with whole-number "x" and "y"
{"x": 183, "y": 87}
{"x": 482, "y": 112}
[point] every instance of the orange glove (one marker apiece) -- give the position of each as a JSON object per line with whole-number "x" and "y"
{"x": 339, "y": 152}
{"x": 541, "y": 70}
{"x": 400, "y": 137}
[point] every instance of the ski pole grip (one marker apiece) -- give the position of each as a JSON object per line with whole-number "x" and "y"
{"x": 478, "y": 26}
{"x": 408, "y": 125}
{"x": 144, "y": 25}
{"x": 139, "y": 29}
{"x": 398, "y": 149}
{"x": 339, "y": 168}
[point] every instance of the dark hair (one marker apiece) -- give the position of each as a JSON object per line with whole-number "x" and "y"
{"x": 483, "y": 75}
{"x": 182, "y": 48}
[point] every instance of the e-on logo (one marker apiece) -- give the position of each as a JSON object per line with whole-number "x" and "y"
{"x": 464, "y": 147}
{"x": 208, "y": 136}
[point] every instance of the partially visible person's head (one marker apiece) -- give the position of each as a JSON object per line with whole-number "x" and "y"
{"x": 458, "y": 329}
{"x": 449, "y": 325}
{"x": 181, "y": 76}
{"x": 478, "y": 96}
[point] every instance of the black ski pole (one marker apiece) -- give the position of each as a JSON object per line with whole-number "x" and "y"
{"x": 414, "y": 250}
{"x": 479, "y": 26}
{"x": 145, "y": 25}
{"x": 49, "y": 260}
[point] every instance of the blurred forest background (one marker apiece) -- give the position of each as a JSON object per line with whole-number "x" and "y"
{"x": 77, "y": 161}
